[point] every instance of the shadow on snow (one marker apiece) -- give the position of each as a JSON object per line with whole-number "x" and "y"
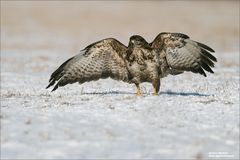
{"x": 185, "y": 94}
{"x": 161, "y": 93}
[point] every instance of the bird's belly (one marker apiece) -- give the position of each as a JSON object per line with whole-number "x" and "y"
{"x": 143, "y": 75}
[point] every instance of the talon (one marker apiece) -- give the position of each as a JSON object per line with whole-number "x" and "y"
{"x": 138, "y": 93}
{"x": 155, "y": 92}
{"x": 156, "y": 86}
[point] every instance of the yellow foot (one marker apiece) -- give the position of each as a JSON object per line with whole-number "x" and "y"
{"x": 155, "y": 92}
{"x": 138, "y": 93}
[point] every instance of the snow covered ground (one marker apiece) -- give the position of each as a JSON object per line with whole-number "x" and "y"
{"x": 193, "y": 117}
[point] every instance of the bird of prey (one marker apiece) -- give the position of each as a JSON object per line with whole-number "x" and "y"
{"x": 140, "y": 61}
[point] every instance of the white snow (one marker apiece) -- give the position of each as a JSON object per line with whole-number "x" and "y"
{"x": 193, "y": 117}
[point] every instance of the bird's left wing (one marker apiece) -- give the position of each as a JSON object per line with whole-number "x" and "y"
{"x": 183, "y": 54}
{"x": 102, "y": 59}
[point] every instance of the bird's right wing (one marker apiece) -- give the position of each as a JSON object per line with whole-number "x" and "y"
{"x": 101, "y": 59}
{"x": 183, "y": 54}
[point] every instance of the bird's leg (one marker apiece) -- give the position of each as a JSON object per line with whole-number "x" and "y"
{"x": 138, "y": 93}
{"x": 156, "y": 86}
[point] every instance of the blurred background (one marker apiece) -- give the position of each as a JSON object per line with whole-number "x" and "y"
{"x": 69, "y": 26}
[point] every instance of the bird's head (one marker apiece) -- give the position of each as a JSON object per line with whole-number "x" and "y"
{"x": 137, "y": 41}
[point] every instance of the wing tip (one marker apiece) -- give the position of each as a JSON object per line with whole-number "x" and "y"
{"x": 55, "y": 87}
{"x": 48, "y": 86}
{"x": 206, "y": 67}
{"x": 201, "y": 71}
{"x": 208, "y": 55}
{"x": 51, "y": 83}
{"x": 204, "y": 46}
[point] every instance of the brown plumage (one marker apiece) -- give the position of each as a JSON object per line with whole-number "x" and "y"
{"x": 169, "y": 53}
{"x": 101, "y": 59}
{"x": 178, "y": 53}
{"x": 142, "y": 63}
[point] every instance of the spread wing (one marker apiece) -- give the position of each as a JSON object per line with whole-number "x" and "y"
{"x": 184, "y": 54}
{"x": 101, "y": 59}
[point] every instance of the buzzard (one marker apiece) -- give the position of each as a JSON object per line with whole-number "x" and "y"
{"x": 140, "y": 61}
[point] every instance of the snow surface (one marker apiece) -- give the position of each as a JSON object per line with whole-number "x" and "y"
{"x": 192, "y": 118}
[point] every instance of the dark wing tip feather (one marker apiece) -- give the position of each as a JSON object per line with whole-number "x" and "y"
{"x": 50, "y": 84}
{"x": 207, "y": 60}
{"x": 55, "y": 75}
{"x": 206, "y": 67}
{"x": 209, "y": 55}
{"x": 205, "y": 47}
{"x": 206, "y": 57}
{"x": 59, "y": 70}
{"x": 55, "y": 87}
{"x": 201, "y": 71}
